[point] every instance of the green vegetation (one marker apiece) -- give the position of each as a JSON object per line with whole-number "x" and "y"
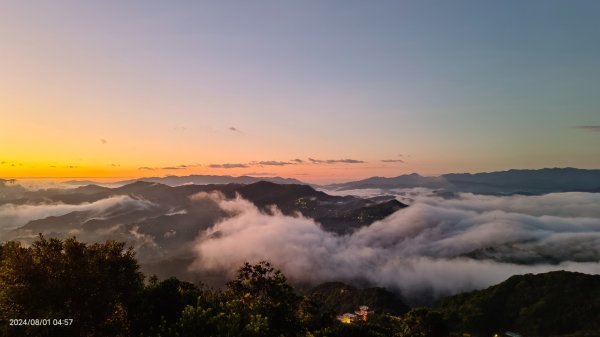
{"x": 554, "y": 303}
{"x": 100, "y": 287}
{"x": 338, "y": 297}
{"x": 97, "y": 286}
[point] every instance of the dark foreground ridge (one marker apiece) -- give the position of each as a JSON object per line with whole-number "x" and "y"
{"x": 68, "y": 288}
{"x": 554, "y": 303}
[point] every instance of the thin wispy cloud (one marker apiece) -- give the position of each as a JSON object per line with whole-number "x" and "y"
{"x": 234, "y": 129}
{"x": 335, "y": 161}
{"x": 176, "y": 167}
{"x": 256, "y": 163}
{"x": 179, "y": 167}
{"x": 392, "y": 161}
{"x": 10, "y": 164}
{"x": 590, "y": 128}
{"x": 346, "y": 161}
{"x": 12, "y": 216}
{"x": 274, "y": 163}
{"x": 229, "y": 165}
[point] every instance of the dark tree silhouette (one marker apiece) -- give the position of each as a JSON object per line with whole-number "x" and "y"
{"x": 94, "y": 285}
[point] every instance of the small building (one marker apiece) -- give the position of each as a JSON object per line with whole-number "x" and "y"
{"x": 346, "y": 318}
{"x": 360, "y": 314}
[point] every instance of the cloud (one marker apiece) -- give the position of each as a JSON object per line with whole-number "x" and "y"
{"x": 4, "y": 182}
{"x": 568, "y": 205}
{"x": 234, "y": 129}
{"x": 228, "y": 166}
{"x": 178, "y": 167}
{"x": 392, "y": 161}
{"x": 436, "y": 245}
{"x": 346, "y": 161}
{"x": 254, "y": 163}
{"x": 273, "y": 163}
{"x": 170, "y": 233}
{"x": 298, "y": 161}
{"x": 335, "y": 161}
{"x": 13, "y": 216}
{"x": 103, "y": 141}
{"x": 591, "y": 128}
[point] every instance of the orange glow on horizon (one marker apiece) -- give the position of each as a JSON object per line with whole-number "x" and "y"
{"x": 308, "y": 172}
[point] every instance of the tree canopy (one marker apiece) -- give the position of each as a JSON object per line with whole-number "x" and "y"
{"x": 94, "y": 285}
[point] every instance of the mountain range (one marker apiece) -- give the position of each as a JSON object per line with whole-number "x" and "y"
{"x": 194, "y": 179}
{"x": 515, "y": 181}
{"x": 336, "y": 213}
{"x": 528, "y": 182}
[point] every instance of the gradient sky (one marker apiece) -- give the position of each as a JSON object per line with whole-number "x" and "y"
{"x": 147, "y": 88}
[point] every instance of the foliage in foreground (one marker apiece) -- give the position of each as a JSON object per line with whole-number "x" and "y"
{"x": 100, "y": 287}
{"x": 95, "y": 285}
{"x": 549, "y": 304}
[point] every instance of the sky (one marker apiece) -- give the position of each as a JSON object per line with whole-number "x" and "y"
{"x": 315, "y": 90}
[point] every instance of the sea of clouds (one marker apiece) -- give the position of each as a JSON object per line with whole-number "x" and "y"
{"x": 441, "y": 244}
{"x": 437, "y": 245}
{"x": 13, "y": 215}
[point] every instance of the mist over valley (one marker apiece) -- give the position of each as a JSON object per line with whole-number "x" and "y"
{"x": 422, "y": 242}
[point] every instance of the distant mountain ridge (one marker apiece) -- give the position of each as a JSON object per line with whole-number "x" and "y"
{"x": 193, "y": 179}
{"x": 533, "y": 182}
{"x": 198, "y": 179}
